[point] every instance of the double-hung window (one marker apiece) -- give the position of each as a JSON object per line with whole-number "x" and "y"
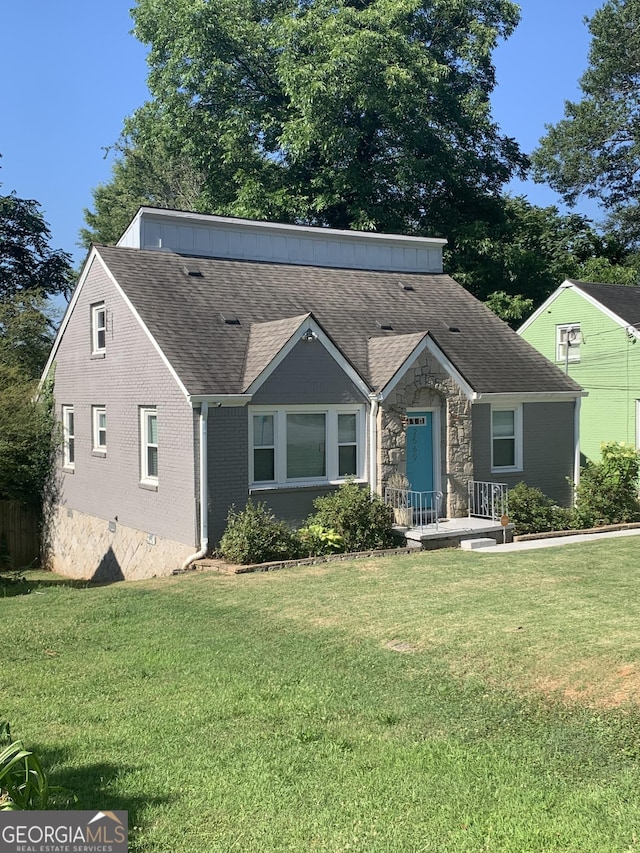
{"x": 69, "y": 438}
{"x": 568, "y": 337}
{"x": 506, "y": 438}
{"x": 149, "y": 446}
{"x": 99, "y": 429}
{"x": 98, "y": 329}
{"x": 301, "y": 444}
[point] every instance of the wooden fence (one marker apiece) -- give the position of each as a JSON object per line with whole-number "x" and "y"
{"x": 19, "y": 536}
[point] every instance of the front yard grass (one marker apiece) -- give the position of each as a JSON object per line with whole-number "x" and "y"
{"x": 445, "y": 701}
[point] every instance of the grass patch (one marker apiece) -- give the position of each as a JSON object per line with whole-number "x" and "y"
{"x": 444, "y": 701}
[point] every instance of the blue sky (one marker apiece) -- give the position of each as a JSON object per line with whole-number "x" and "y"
{"x": 71, "y": 72}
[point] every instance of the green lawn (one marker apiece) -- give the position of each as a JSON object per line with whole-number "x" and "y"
{"x": 445, "y": 701}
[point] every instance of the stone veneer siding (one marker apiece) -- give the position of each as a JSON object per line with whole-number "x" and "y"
{"x": 127, "y": 554}
{"x": 427, "y": 385}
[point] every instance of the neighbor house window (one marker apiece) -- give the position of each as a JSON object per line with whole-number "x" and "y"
{"x": 98, "y": 329}
{"x": 306, "y": 443}
{"x": 149, "y": 446}
{"x": 568, "y": 336}
{"x": 506, "y": 438}
{"x": 69, "y": 438}
{"x": 99, "y": 428}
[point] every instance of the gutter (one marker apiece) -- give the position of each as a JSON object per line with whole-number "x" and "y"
{"x": 576, "y": 445}
{"x": 204, "y": 489}
{"x": 373, "y": 442}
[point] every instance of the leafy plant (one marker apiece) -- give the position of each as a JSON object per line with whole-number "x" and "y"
{"x": 23, "y": 782}
{"x": 360, "y": 518}
{"x": 255, "y": 535}
{"x": 531, "y": 511}
{"x": 608, "y": 491}
{"x": 317, "y": 540}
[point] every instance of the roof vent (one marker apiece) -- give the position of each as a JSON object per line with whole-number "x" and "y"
{"x": 387, "y": 327}
{"x": 406, "y": 287}
{"x": 230, "y": 319}
{"x": 454, "y": 329}
{"x": 193, "y": 271}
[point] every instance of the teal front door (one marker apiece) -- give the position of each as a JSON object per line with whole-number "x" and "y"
{"x": 420, "y": 451}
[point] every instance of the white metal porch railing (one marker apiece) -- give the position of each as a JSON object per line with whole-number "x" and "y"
{"x": 414, "y": 509}
{"x": 488, "y": 500}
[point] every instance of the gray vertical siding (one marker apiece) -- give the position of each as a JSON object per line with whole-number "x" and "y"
{"x": 131, "y": 374}
{"x": 548, "y": 453}
{"x": 309, "y": 374}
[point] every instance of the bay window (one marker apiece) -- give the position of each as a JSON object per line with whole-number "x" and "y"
{"x": 310, "y": 443}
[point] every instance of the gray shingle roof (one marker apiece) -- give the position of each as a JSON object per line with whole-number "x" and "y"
{"x": 622, "y": 299}
{"x": 183, "y": 313}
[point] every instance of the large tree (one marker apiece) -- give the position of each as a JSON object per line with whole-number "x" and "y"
{"x": 369, "y": 114}
{"x": 30, "y": 271}
{"x": 516, "y": 261}
{"x": 595, "y": 149}
{"x": 27, "y": 262}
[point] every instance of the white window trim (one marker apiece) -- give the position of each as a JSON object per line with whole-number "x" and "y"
{"x": 518, "y": 437}
{"x": 574, "y": 349}
{"x": 331, "y": 446}
{"x": 96, "y": 349}
{"x": 96, "y": 429}
{"x": 145, "y": 478}
{"x": 68, "y": 463}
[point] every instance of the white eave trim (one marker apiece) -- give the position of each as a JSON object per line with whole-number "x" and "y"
{"x": 309, "y": 325}
{"x": 566, "y": 285}
{"x": 94, "y": 254}
{"x": 530, "y": 397}
{"x": 575, "y": 286}
{"x": 220, "y": 400}
{"x": 429, "y": 344}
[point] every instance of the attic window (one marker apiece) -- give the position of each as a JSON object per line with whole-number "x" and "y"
{"x": 406, "y": 287}
{"x": 193, "y": 271}
{"x": 230, "y": 319}
{"x": 387, "y": 327}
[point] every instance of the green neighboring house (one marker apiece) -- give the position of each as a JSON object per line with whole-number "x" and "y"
{"x": 591, "y": 332}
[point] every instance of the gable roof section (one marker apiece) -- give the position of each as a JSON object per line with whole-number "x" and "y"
{"x": 183, "y": 314}
{"x": 620, "y": 302}
{"x": 266, "y": 340}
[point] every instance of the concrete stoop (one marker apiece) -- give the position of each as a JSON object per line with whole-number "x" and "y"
{"x": 474, "y": 544}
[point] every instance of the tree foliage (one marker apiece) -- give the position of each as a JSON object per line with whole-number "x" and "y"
{"x": 29, "y": 272}
{"x": 367, "y": 114}
{"x": 515, "y": 262}
{"x": 27, "y": 263}
{"x": 595, "y": 149}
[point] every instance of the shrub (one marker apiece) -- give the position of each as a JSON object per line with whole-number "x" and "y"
{"x": 362, "y": 519}
{"x": 317, "y": 540}
{"x": 255, "y": 535}
{"x": 608, "y": 491}
{"x": 531, "y": 511}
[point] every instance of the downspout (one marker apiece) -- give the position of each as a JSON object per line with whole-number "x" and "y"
{"x": 204, "y": 490}
{"x": 373, "y": 443}
{"x": 576, "y": 447}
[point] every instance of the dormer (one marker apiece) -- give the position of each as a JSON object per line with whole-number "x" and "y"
{"x": 248, "y": 240}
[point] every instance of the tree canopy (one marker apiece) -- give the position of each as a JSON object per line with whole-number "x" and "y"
{"x": 367, "y": 114}
{"x": 27, "y": 263}
{"x": 595, "y": 149}
{"x": 30, "y": 271}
